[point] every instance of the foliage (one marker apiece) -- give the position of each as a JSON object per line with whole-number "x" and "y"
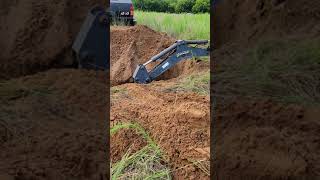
{"x": 201, "y": 6}
{"x": 173, "y": 6}
{"x": 184, "y": 6}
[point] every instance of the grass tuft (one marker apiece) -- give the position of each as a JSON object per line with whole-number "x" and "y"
{"x": 147, "y": 163}
{"x": 199, "y": 83}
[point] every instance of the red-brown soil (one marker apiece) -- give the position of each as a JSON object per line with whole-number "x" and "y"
{"x": 178, "y": 122}
{"x": 256, "y": 137}
{"x": 53, "y": 126}
{"x": 37, "y": 35}
{"x": 237, "y": 21}
{"x": 264, "y": 139}
{"x": 133, "y": 46}
{"x": 128, "y": 141}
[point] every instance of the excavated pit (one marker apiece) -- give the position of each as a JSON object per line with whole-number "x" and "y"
{"x": 131, "y": 46}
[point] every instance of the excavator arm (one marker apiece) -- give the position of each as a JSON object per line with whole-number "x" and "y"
{"x": 169, "y": 57}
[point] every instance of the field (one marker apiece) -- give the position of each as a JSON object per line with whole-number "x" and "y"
{"x": 181, "y": 26}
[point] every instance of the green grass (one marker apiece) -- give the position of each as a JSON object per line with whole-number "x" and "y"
{"x": 199, "y": 83}
{"x": 180, "y": 26}
{"x": 285, "y": 70}
{"x": 147, "y": 163}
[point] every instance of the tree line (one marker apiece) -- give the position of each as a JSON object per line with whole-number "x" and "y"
{"x": 173, "y": 6}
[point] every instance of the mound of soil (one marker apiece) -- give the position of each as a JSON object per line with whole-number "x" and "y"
{"x": 248, "y": 21}
{"x": 131, "y": 46}
{"x": 178, "y": 122}
{"x": 52, "y": 126}
{"x": 37, "y": 35}
{"x": 264, "y": 139}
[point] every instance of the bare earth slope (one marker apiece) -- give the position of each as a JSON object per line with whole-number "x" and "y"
{"x": 258, "y": 135}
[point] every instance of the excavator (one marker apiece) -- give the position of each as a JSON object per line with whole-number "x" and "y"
{"x": 90, "y": 47}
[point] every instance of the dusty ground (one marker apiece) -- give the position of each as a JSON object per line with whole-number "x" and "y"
{"x": 257, "y": 133}
{"x": 52, "y": 121}
{"x": 51, "y": 128}
{"x": 179, "y": 122}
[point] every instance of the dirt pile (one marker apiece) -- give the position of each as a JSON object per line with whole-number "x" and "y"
{"x": 266, "y": 139}
{"x": 37, "y": 35}
{"x": 248, "y": 21}
{"x": 178, "y": 122}
{"x": 131, "y": 46}
{"x": 52, "y": 126}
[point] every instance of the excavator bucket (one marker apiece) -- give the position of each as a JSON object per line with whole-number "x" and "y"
{"x": 90, "y": 47}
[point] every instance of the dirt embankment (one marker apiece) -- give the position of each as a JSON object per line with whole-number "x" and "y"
{"x": 37, "y": 35}
{"x": 257, "y": 138}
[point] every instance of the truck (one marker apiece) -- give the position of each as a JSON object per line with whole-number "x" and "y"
{"x": 122, "y": 11}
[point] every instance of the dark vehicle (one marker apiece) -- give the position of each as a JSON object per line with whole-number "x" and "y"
{"x": 122, "y": 11}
